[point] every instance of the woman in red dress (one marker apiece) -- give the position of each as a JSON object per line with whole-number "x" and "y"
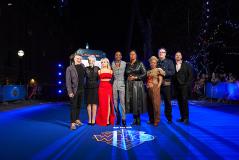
{"x": 105, "y": 113}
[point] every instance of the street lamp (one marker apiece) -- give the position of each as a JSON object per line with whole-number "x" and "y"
{"x": 20, "y": 54}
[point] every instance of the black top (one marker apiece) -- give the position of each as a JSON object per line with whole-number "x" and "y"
{"x": 136, "y": 69}
{"x": 168, "y": 66}
{"x": 92, "y": 77}
{"x": 184, "y": 76}
{"x": 81, "y": 75}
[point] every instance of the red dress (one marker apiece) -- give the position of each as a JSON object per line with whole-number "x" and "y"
{"x": 105, "y": 93}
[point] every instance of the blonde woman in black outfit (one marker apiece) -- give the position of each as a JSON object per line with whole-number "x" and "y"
{"x": 91, "y": 89}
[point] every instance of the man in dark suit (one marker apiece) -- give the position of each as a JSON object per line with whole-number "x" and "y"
{"x": 75, "y": 74}
{"x": 182, "y": 80}
{"x": 167, "y": 69}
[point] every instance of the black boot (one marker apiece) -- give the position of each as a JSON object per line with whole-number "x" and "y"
{"x": 124, "y": 122}
{"x": 118, "y": 118}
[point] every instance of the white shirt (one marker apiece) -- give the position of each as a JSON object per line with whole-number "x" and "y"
{"x": 178, "y": 65}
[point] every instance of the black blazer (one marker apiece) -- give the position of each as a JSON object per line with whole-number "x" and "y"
{"x": 184, "y": 76}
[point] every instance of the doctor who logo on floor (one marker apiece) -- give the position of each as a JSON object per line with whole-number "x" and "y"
{"x": 124, "y": 139}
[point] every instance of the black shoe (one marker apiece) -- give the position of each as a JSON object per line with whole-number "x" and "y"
{"x": 138, "y": 121}
{"x": 186, "y": 121}
{"x": 118, "y": 122}
{"x": 89, "y": 123}
{"x": 150, "y": 122}
{"x": 134, "y": 122}
{"x": 170, "y": 121}
{"x": 180, "y": 120}
{"x": 123, "y": 123}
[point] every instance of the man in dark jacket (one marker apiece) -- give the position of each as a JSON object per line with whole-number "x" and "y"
{"x": 167, "y": 69}
{"x": 182, "y": 80}
{"x": 75, "y": 74}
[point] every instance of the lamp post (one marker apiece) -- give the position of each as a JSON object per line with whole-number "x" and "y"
{"x": 20, "y": 54}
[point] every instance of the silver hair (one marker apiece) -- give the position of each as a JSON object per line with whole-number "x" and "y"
{"x": 92, "y": 57}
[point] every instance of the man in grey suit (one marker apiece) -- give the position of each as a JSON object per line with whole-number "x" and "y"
{"x": 118, "y": 67}
{"x": 75, "y": 74}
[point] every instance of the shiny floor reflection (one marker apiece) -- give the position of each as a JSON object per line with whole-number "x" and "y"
{"x": 42, "y": 132}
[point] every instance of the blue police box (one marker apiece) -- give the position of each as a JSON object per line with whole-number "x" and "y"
{"x": 12, "y": 92}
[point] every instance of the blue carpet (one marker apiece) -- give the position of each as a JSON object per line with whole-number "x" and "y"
{"x": 42, "y": 132}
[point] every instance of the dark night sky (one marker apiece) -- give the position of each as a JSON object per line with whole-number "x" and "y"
{"x": 49, "y": 33}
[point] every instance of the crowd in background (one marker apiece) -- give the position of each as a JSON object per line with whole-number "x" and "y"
{"x": 217, "y": 76}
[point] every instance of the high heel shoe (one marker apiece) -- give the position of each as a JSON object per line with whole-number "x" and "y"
{"x": 118, "y": 122}
{"x": 73, "y": 126}
{"x": 156, "y": 124}
{"x": 78, "y": 123}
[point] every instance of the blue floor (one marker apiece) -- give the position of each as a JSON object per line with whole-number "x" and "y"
{"x": 42, "y": 132}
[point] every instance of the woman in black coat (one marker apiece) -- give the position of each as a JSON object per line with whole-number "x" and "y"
{"x": 135, "y": 95}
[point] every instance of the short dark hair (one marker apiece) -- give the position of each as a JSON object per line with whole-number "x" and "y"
{"x": 76, "y": 54}
{"x": 71, "y": 57}
{"x": 133, "y": 50}
{"x": 178, "y": 52}
{"x": 119, "y": 52}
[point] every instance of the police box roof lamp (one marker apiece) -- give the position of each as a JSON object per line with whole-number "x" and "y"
{"x": 87, "y": 46}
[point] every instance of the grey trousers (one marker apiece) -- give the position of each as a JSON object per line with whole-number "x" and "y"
{"x": 119, "y": 93}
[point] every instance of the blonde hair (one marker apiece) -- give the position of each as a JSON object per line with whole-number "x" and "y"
{"x": 153, "y": 58}
{"x": 108, "y": 62}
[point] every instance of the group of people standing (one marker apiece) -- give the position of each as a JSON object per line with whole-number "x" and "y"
{"x": 118, "y": 88}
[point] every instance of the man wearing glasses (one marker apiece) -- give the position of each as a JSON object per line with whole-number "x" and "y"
{"x": 166, "y": 68}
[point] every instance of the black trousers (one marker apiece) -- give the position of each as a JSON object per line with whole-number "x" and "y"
{"x": 166, "y": 94}
{"x": 182, "y": 98}
{"x": 76, "y": 102}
